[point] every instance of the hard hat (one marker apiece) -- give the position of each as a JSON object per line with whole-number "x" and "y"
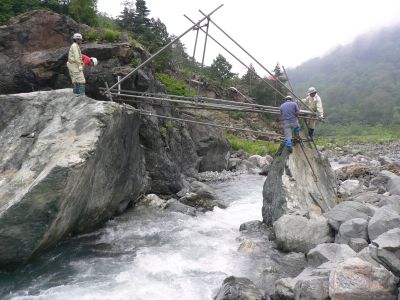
{"x": 77, "y": 36}
{"x": 94, "y": 61}
{"x": 288, "y": 97}
{"x": 312, "y": 90}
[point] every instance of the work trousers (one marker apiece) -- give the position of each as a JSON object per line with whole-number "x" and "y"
{"x": 289, "y": 128}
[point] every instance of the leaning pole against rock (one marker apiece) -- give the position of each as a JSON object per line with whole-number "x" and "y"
{"x": 299, "y": 183}
{"x": 67, "y": 164}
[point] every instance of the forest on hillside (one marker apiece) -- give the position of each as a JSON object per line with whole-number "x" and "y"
{"x": 358, "y": 83}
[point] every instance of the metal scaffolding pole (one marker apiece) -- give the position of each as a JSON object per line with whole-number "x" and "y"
{"x": 162, "y": 49}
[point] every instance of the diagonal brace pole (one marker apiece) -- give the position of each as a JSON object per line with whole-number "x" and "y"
{"x": 162, "y": 49}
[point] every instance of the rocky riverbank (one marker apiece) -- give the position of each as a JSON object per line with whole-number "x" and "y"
{"x": 350, "y": 251}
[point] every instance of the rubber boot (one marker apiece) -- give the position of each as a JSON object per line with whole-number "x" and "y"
{"x": 75, "y": 90}
{"x": 82, "y": 90}
{"x": 289, "y": 145}
{"x": 310, "y": 134}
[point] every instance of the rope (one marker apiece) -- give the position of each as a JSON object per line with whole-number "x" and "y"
{"x": 149, "y": 113}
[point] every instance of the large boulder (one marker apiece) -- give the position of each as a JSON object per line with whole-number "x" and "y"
{"x": 352, "y": 229}
{"x": 386, "y": 250}
{"x": 393, "y": 185}
{"x": 67, "y": 165}
{"x": 298, "y": 182}
{"x": 355, "y": 279}
{"x": 348, "y": 210}
{"x": 384, "y": 219}
{"x": 239, "y": 288}
{"x": 299, "y": 234}
{"x": 329, "y": 252}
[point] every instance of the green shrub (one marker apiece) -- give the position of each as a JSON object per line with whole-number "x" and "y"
{"x": 91, "y": 35}
{"x": 236, "y": 115}
{"x": 111, "y": 35}
{"x": 173, "y": 86}
{"x": 252, "y": 147}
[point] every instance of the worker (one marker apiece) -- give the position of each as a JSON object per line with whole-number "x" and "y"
{"x": 89, "y": 61}
{"x": 289, "y": 115}
{"x": 313, "y": 101}
{"x": 75, "y": 65}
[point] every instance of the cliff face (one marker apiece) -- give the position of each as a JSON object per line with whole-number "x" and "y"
{"x": 293, "y": 186}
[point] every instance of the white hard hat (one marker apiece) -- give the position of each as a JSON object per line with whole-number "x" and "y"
{"x": 77, "y": 36}
{"x": 94, "y": 61}
{"x": 288, "y": 97}
{"x": 312, "y": 90}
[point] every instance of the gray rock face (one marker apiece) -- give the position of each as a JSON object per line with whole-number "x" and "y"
{"x": 329, "y": 252}
{"x": 383, "y": 220}
{"x": 354, "y": 228}
{"x": 238, "y": 288}
{"x": 356, "y": 279}
{"x": 381, "y": 180}
{"x": 68, "y": 164}
{"x": 299, "y": 234}
{"x": 348, "y": 210}
{"x": 290, "y": 186}
{"x": 386, "y": 250}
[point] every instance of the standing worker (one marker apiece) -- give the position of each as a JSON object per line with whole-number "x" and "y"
{"x": 289, "y": 113}
{"x": 313, "y": 101}
{"x": 75, "y": 65}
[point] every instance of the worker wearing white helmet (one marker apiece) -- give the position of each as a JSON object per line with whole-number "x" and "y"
{"x": 313, "y": 101}
{"x": 75, "y": 65}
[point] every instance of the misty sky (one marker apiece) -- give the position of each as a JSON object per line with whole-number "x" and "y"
{"x": 285, "y": 31}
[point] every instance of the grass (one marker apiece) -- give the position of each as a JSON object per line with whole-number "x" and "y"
{"x": 252, "y": 147}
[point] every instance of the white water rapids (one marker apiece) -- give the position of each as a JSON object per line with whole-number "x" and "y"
{"x": 148, "y": 254}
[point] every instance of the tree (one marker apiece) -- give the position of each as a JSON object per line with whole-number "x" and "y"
{"x": 141, "y": 22}
{"x": 125, "y": 19}
{"x": 249, "y": 80}
{"x": 220, "y": 70}
{"x": 84, "y": 11}
{"x": 10, "y": 8}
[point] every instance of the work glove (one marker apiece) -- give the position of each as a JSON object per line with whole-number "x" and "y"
{"x": 80, "y": 68}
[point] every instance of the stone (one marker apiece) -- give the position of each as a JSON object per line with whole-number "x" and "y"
{"x": 83, "y": 166}
{"x": 233, "y": 163}
{"x": 393, "y": 186}
{"x": 290, "y": 186}
{"x": 176, "y": 206}
{"x": 238, "y": 288}
{"x": 284, "y": 287}
{"x": 350, "y": 187}
{"x": 299, "y": 234}
{"x": 329, "y": 252}
{"x": 355, "y": 279}
{"x": 354, "y": 228}
{"x": 381, "y": 180}
{"x": 365, "y": 254}
{"x": 357, "y": 244}
{"x": 254, "y": 227}
{"x": 258, "y": 160}
{"x": 348, "y": 210}
{"x": 383, "y": 220}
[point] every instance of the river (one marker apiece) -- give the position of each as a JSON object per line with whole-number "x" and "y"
{"x": 148, "y": 254}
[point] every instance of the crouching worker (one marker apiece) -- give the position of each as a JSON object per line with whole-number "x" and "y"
{"x": 289, "y": 115}
{"x": 75, "y": 66}
{"x": 89, "y": 61}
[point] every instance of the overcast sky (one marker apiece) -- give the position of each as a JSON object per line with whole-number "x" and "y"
{"x": 285, "y": 31}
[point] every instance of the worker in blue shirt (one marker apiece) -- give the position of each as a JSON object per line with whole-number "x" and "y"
{"x": 289, "y": 115}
